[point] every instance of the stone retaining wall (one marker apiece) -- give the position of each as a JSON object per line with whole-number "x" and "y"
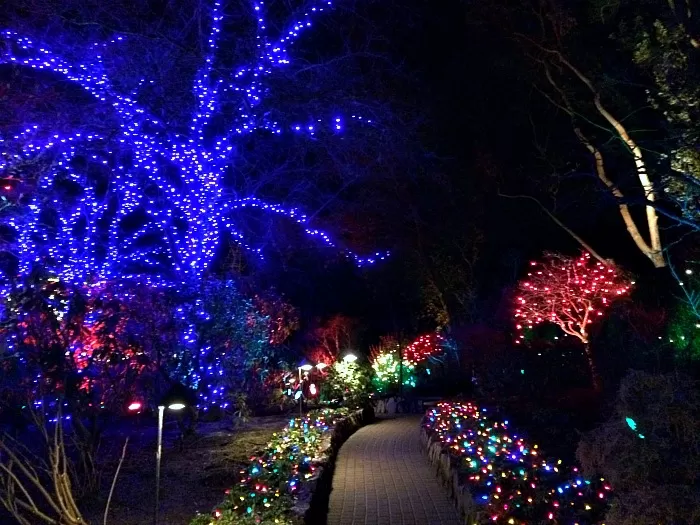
{"x": 446, "y": 471}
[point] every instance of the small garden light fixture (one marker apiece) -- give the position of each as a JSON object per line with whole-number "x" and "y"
{"x": 305, "y": 367}
{"x": 176, "y": 399}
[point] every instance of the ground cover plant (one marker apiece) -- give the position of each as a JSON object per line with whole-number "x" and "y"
{"x": 274, "y": 480}
{"x": 508, "y": 478}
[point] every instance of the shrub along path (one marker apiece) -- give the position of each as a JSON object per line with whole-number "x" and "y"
{"x": 383, "y": 478}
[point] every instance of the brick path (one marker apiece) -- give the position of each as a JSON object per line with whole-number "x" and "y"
{"x": 383, "y": 478}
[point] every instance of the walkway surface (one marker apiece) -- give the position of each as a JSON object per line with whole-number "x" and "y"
{"x": 383, "y": 478}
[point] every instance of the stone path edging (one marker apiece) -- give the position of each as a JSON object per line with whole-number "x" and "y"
{"x": 314, "y": 506}
{"x": 444, "y": 467}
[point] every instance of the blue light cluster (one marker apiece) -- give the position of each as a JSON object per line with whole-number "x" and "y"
{"x": 93, "y": 237}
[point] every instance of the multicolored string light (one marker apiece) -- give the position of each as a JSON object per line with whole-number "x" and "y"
{"x": 271, "y": 481}
{"x": 510, "y": 480}
{"x": 388, "y": 371}
{"x": 93, "y": 237}
{"x": 569, "y": 292}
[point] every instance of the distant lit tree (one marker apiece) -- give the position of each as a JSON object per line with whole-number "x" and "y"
{"x": 571, "y": 293}
{"x": 390, "y": 369}
{"x": 424, "y": 347}
{"x": 349, "y": 381}
{"x": 331, "y": 338}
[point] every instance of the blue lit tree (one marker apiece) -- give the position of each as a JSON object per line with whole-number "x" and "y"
{"x": 139, "y": 196}
{"x": 134, "y": 192}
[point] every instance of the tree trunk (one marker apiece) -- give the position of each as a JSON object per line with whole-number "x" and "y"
{"x": 595, "y": 377}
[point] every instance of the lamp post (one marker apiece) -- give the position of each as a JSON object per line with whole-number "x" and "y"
{"x": 176, "y": 399}
{"x": 305, "y": 367}
{"x": 159, "y": 450}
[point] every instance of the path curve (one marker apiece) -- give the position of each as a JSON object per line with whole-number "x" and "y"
{"x": 383, "y": 478}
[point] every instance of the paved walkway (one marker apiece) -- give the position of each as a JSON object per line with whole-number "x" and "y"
{"x": 383, "y": 478}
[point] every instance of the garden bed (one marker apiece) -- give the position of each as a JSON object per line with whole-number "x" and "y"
{"x": 192, "y": 477}
{"x": 494, "y": 475}
{"x": 289, "y": 481}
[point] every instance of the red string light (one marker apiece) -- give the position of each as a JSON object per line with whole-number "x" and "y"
{"x": 569, "y": 292}
{"x": 422, "y": 348}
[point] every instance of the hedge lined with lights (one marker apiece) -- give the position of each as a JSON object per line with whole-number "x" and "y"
{"x": 498, "y": 477}
{"x": 277, "y": 486}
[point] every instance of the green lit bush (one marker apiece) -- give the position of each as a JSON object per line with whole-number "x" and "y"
{"x": 349, "y": 381}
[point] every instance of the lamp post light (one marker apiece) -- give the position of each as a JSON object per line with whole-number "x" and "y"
{"x": 350, "y": 358}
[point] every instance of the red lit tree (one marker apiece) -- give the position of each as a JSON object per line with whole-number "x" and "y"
{"x": 423, "y": 347}
{"x": 571, "y": 293}
{"x": 331, "y": 338}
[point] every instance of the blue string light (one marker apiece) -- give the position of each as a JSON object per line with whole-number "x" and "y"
{"x": 91, "y": 239}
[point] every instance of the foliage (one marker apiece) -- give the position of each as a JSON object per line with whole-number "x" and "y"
{"x": 388, "y": 369}
{"x": 42, "y": 320}
{"x": 428, "y": 346}
{"x": 510, "y": 480}
{"x": 395, "y": 362}
{"x": 105, "y": 345}
{"x": 74, "y": 342}
{"x": 349, "y": 381}
{"x": 242, "y": 411}
{"x": 225, "y": 347}
{"x": 664, "y": 47}
{"x": 684, "y": 333}
{"x": 649, "y": 450}
{"x": 389, "y": 372}
{"x": 269, "y": 484}
{"x": 683, "y": 330}
{"x": 283, "y": 318}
